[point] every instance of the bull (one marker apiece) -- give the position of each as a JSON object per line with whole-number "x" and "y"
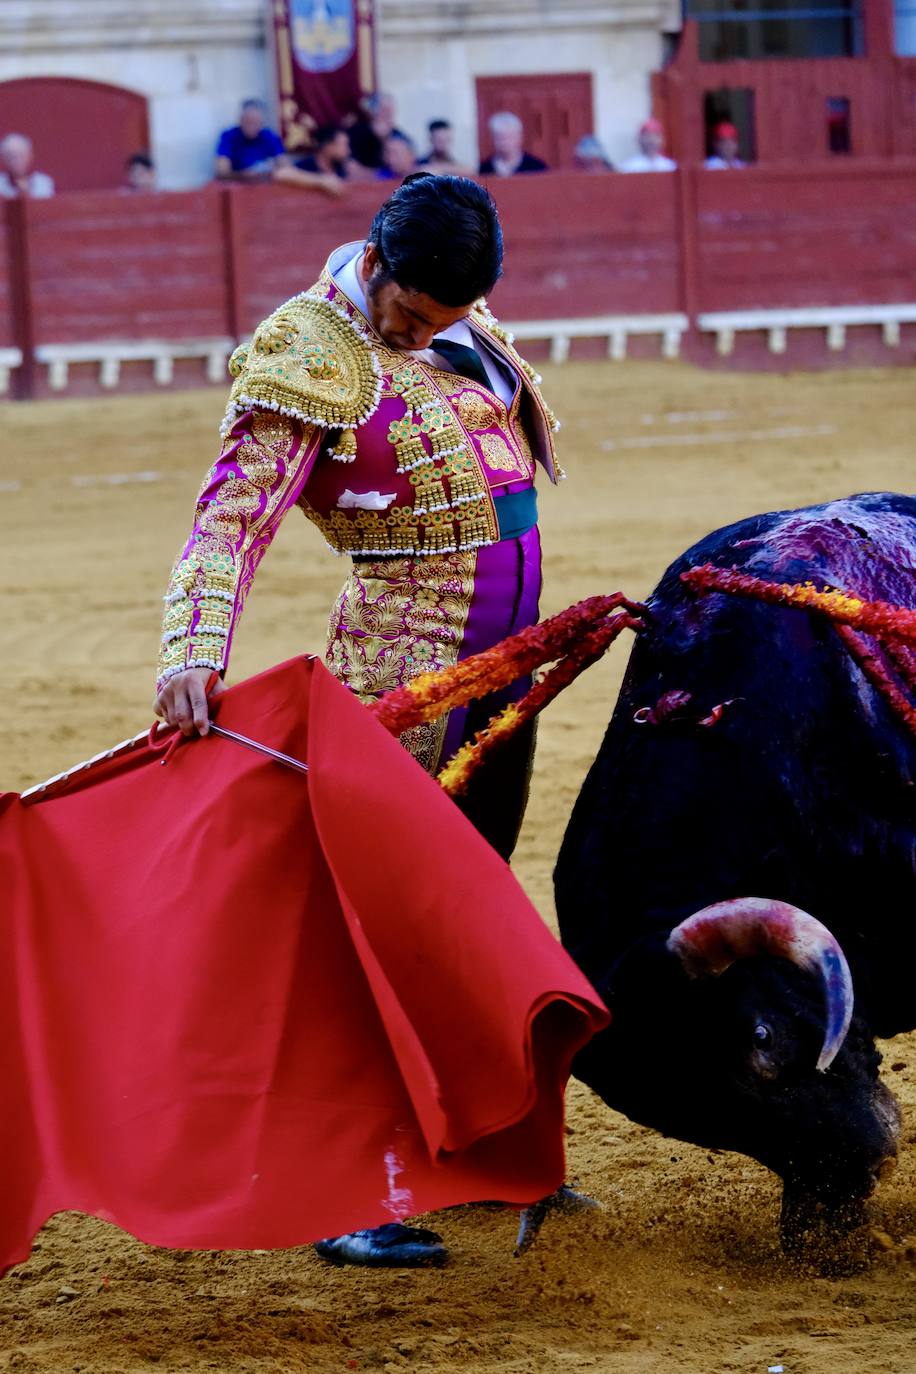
{"x": 751, "y": 814}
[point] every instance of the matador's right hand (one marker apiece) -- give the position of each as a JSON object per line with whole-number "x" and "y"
{"x": 183, "y": 700}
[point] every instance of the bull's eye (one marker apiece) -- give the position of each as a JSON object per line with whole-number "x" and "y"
{"x": 763, "y": 1036}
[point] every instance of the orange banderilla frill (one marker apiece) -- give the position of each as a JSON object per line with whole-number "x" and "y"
{"x": 572, "y": 641}
{"x": 893, "y": 627}
{"x": 577, "y": 637}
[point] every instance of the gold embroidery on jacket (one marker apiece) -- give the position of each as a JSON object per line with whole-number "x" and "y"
{"x": 499, "y": 455}
{"x": 475, "y": 412}
{"x": 395, "y": 619}
{"x": 210, "y": 580}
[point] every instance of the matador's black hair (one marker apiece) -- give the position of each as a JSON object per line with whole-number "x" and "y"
{"x": 440, "y": 236}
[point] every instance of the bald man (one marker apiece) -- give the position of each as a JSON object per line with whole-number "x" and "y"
{"x": 16, "y": 175}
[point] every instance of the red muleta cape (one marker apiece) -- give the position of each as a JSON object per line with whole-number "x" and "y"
{"x": 241, "y": 1007}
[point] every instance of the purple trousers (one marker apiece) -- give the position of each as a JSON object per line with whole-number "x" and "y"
{"x": 507, "y": 588}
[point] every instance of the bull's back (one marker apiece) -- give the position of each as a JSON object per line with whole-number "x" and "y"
{"x": 802, "y": 790}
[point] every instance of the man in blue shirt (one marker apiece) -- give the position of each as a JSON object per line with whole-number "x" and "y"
{"x": 250, "y": 151}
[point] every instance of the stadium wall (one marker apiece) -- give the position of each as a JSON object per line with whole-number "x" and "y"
{"x": 782, "y": 267}
{"x": 194, "y": 60}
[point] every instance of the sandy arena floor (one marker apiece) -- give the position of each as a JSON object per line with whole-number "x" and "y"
{"x": 680, "y": 1273}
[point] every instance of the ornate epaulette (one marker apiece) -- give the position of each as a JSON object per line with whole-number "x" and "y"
{"x": 309, "y": 360}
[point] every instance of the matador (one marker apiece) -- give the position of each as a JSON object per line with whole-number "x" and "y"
{"x": 388, "y": 404}
{"x": 401, "y": 420}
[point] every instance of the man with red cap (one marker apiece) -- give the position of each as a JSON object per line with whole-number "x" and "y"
{"x": 725, "y": 143}
{"x": 650, "y": 157}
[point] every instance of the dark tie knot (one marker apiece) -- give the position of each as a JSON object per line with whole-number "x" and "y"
{"x": 466, "y": 361}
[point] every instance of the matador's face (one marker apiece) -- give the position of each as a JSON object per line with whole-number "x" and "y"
{"x": 403, "y": 319}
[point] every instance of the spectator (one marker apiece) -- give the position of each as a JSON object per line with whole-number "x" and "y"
{"x": 650, "y": 157}
{"x": 399, "y": 158}
{"x": 326, "y": 168}
{"x": 17, "y": 177}
{"x": 140, "y": 174}
{"x": 368, "y": 134}
{"x": 725, "y": 144}
{"x": 589, "y": 156}
{"x": 508, "y": 157}
{"x": 440, "y": 158}
{"x": 249, "y": 151}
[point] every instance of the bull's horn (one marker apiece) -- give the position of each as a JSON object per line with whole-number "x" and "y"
{"x": 711, "y": 940}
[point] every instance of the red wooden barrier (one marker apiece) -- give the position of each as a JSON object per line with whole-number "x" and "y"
{"x": 588, "y": 245}
{"x": 109, "y": 266}
{"x": 282, "y": 237}
{"x": 803, "y": 236}
{"x": 103, "y": 269}
{"x": 8, "y": 331}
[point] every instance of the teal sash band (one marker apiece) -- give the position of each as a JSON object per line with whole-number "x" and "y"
{"x": 517, "y": 512}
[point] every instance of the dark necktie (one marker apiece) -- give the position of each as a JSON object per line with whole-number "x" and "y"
{"x": 465, "y": 361}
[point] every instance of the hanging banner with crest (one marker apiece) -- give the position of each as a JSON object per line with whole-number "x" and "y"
{"x": 325, "y": 52}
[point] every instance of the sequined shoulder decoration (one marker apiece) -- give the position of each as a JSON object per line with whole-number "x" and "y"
{"x": 310, "y": 360}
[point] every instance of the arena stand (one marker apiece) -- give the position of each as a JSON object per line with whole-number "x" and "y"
{"x": 783, "y": 267}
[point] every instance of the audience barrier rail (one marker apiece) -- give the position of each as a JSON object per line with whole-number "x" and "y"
{"x": 771, "y": 266}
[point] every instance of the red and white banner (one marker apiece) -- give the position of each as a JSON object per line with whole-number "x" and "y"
{"x": 325, "y": 53}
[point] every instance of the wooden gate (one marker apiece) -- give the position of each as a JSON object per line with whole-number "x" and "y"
{"x": 556, "y": 110}
{"x": 83, "y": 131}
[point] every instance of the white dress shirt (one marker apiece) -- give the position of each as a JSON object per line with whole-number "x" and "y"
{"x": 641, "y": 163}
{"x": 41, "y": 187}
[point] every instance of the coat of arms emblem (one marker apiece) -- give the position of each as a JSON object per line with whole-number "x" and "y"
{"x": 323, "y": 33}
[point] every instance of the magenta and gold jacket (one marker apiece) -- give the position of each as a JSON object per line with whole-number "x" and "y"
{"x": 385, "y": 453}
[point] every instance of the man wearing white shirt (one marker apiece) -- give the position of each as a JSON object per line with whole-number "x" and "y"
{"x": 17, "y": 177}
{"x": 650, "y": 157}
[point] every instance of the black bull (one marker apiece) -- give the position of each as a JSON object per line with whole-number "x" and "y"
{"x": 801, "y": 791}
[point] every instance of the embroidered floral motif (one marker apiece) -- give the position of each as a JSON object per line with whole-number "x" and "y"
{"x": 499, "y": 455}
{"x": 244, "y": 495}
{"x": 395, "y": 619}
{"x": 475, "y": 412}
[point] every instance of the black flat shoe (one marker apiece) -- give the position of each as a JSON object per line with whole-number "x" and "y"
{"x": 393, "y": 1246}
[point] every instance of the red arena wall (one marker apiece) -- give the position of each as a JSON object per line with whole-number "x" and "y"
{"x": 101, "y": 290}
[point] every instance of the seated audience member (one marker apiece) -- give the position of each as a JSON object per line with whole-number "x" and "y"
{"x": 725, "y": 143}
{"x": 440, "y": 158}
{"x": 589, "y": 156}
{"x": 16, "y": 175}
{"x": 650, "y": 157}
{"x": 325, "y": 168}
{"x": 508, "y": 157}
{"x": 399, "y": 158}
{"x": 140, "y": 174}
{"x": 249, "y": 151}
{"x": 368, "y": 134}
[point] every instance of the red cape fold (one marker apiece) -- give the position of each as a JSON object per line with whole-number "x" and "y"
{"x": 241, "y": 1007}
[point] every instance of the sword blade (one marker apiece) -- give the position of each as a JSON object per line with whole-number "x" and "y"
{"x": 286, "y": 759}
